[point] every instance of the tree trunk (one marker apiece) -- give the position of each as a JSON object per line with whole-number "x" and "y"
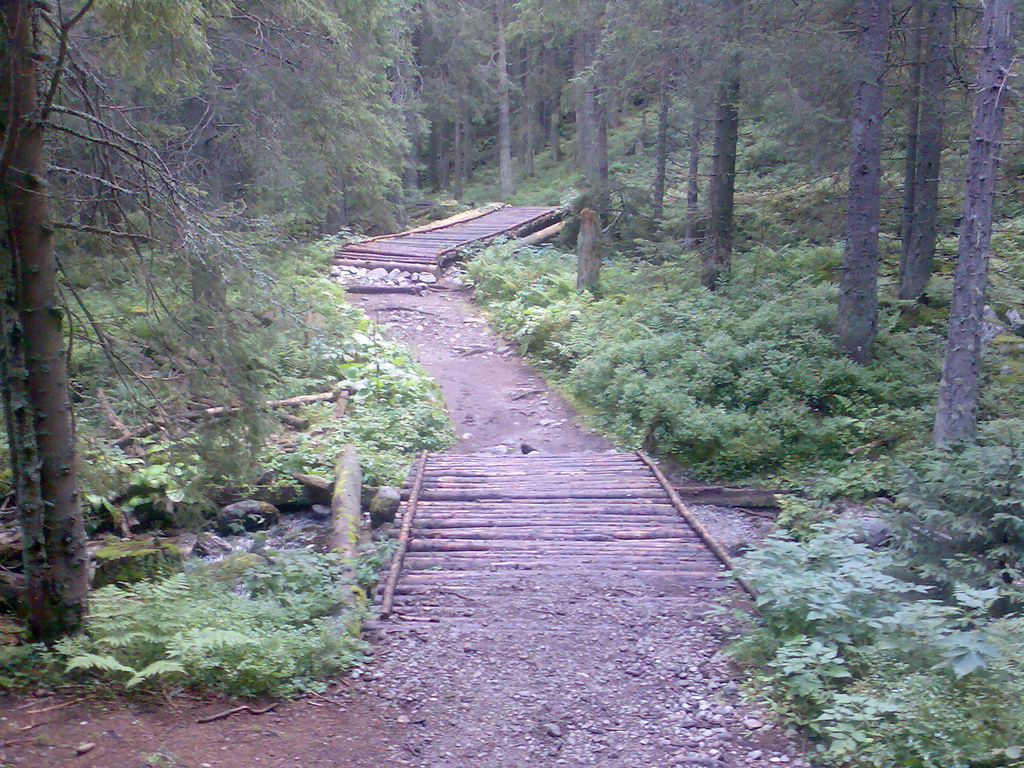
{"x": 434, "y": 155}
{"x": 37, "y": 401}
{"x": 956, "y": 415}
{"x": 337, "y": 211}
{"x": 857, "y": 314}
{"x": 410, "y": 169}
{"x": 459, "y": 173}
{"x": 693, "y": 178}
{"x": 444, "y": 155}
{"x": 661, "y": 147}
{"x": 587, "y": 110}
{"x": 504, "y": 118}
{"x": 920, "y": 246}
{"x": 588, "y": 251}
{"x": 717, "y": 256}
{"x": 553, "y": 138}
{"x": 913, "y": 115}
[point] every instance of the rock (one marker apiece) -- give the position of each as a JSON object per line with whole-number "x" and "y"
{"x": 394, "y": 274}
{"x": 249, "y": 515}
{"x": 126, "y": 561}
{"x": 527, "y": 448}
{"x": 752, "y": 723}
{"x": 427, "y": 277}
{"x": 320, "y": 510}
{"x": 384, "y": 505}
{"x": 553, "y": 730}
{"x": 1013, "y": 317}
{"x": 457, "y": 282}
{"x": 211, "y": 545}
{"x": 186, "y": 543}
{"x": 232, "y": 568}
{"x": 865, "y": 528}
{"x": 376, "y": 275}
{"x": 991, "y": 326}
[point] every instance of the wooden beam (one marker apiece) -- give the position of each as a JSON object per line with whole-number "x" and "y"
{"x": 388, "y": 602}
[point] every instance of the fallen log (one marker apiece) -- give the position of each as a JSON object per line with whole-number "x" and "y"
{"x": 318, "y": 490}
{"x": 542, "y": 234}
{"x": 346, "y": 510}
{"x": 728, "y": 496}
{"x": 224, "y": 410}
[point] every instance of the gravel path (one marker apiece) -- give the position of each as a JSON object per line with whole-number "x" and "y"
{"x": 617, "y": 671}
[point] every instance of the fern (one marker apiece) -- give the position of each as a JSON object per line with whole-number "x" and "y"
{"x": 277, "y": 638}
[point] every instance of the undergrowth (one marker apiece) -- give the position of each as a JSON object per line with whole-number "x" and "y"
{"x": 734, "y": 383}
{"x": 285, "y": 624}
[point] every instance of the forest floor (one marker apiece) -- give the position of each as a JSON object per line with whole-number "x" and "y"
{"x": 589, "y": 673}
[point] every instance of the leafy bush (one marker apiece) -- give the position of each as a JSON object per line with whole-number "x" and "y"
{"x": 878, "y": 671}
{"x": 275, "y": 635}
{"x": 961, "y": 515}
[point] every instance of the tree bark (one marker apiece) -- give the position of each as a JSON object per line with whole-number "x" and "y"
{"x": 36, "y": 394}
{"x": 587, "y": 117}
{"x": 913, "y": 116}
{"x": 956, "y": 414}
{"x": 920, "y": 245}
{"x": 857, "y": 313}
{"x": 693, "y": 178}
{"x": 588, "y": 271}
{"x": 504, "y": 119}
{"x": 459, "y": 174}
{"x": 717, "y": 256}
{"x": 661, "y": 146}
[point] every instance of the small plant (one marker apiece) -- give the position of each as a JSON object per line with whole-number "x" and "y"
{"x": 877, "y": 669}
{"x": 961, "y": 513}
{"x": 291, "y": 623}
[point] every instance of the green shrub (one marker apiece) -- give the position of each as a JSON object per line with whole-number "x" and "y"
{"x": 880, "y": 673}
{"x": 740, "y": 381}
{"x": 961, "y": 513}
{"x": 289, "y": 623}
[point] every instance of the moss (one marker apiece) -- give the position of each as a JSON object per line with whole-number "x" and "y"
{"x": 126, "y": 561}
{"x": 232, "y": 567}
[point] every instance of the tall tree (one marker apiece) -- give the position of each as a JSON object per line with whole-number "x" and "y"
{"x": 956, "y": 414}
{"x": 661, "y": 144}
{"x": 504, "y": 117}
{"x": 919, "y": 247}
{"x": 913, "y": 101}
{"x": 717, "y": 256}
{"x": 33, "y": 363}
{"x": 857, "y": 314}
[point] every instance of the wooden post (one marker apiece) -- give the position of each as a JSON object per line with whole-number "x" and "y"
{"x": 588, "y": 251}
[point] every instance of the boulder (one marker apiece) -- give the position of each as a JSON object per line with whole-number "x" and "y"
{"x": 377, "y": 275}
{"x": 211, "y": 545}
{"x": 229, "y": 570}
{"x": 384, "y": 505}
{"x": 126, "y": 561}
{"x": 249, "y": 515}
{"x": 321, "y": 511}
{"x": 1015, "y": 320}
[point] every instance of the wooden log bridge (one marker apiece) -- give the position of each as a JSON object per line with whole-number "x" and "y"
{"x": 470, "y": 521}
{"x": 433, "y": 246}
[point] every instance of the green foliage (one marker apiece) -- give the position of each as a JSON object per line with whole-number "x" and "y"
{"x": 961, "y": 513}
{"x": 744, "y": 380}
{"x": 277, "y": 635}
{"x": 877, "y": 671}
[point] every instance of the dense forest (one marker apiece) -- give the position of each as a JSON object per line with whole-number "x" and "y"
{"x": 806, "y": 275}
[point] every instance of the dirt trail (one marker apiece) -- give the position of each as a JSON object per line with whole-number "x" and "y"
{"x": 496, "y": 401}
